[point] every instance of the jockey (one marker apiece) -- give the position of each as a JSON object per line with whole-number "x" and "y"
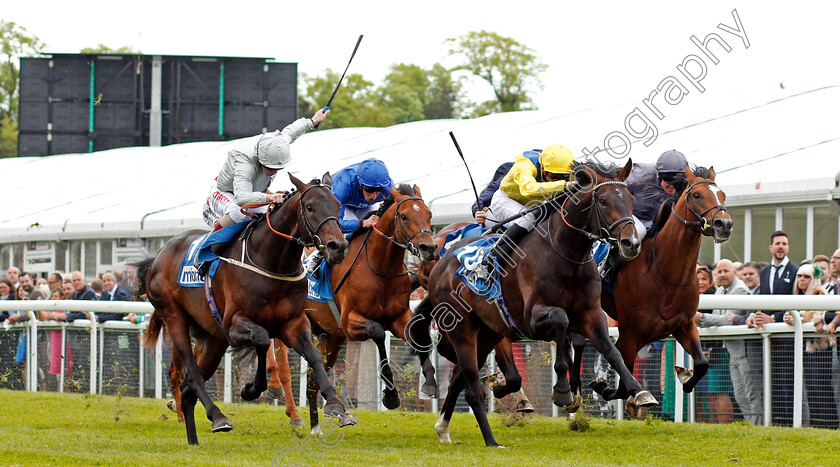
{"x": 651, "y": 185}
{"x": 359, "y": 188}
{"x": 534, "y": 176}
{"x": 248, "y": 171}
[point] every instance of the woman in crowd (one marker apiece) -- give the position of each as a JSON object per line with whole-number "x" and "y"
{"x": 817, "y": 359}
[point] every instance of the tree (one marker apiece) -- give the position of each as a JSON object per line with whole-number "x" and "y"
{"x": 412, "y": 93}
{"x": 15, "y": 42}
{"x": 104, "y": 49}
{"x": 508, "y": 66}
{"x": 354, "y": 104}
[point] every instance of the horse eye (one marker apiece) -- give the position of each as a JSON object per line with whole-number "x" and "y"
{"x": 403, "y": 217}
{"x": 309, "y": 207}
{"x": 696, "y": 195}
{"x": 602, "y": 201}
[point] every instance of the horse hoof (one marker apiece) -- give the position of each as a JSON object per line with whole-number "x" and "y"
{"x": 442, "y": 430}
{"x": 599, "y": 386}
{"x": 275, "y": 393}
{"x": 391, "y": 400}
{"x": 429, "y": 390}
{"x": 492, "y": 380}
{"x": 575, "y": 405}
{"x": 346, "y": 419}
{"x": 316, "y": 430}
{"x": 524, "y": 406}
{"x": 683, "y": 374}
{"x": 645, "y": 399}
{"x": 296, "y": 423}
{"x": 171, "y": 405}
{"x": 562, "y": 399}
{"x": 630, "y": 408}
{"x": 222, "y": 425}
{"x": 249, "y": 392}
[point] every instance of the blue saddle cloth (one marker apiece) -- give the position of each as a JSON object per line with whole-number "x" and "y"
{"x": 200, "y": 252}
{"x": 320, "y": 289}
{"x": 470, "y": 256}
{"x": 600, "y": 251}
{"x": 472, "y": 230}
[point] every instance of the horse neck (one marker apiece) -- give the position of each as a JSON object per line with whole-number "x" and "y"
{"x": 384, "y": 253}
{"x": 578, "y": 244}
{"x": 677, "y": 247}
{"x": 280, "y": 251}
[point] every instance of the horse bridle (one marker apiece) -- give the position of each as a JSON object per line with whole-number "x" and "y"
{"x": 399, "y": 238}
{"x": 604, "y": 232}
{"x": 315, "y": 240}
{"x": 701, "y": 216}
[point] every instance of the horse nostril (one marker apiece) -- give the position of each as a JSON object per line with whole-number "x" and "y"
{"x": 723, "y": 224}
{"x": 333, "y": 246}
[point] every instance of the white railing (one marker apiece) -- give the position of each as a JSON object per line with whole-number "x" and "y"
{"x": 750, "y": 302}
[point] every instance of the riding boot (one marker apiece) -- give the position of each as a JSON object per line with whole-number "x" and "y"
{"x": 312, "y": 265}
{"x": 611, "y": 264}
{"x": 502, "y": 251}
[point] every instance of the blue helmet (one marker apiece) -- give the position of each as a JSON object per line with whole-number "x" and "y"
{"x": 373, "y": 173}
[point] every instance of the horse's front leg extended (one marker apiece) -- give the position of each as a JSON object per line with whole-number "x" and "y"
{"x": 689, "y": 338}
{"x": 245, "y": 332}
{"x": 554, "y": 320}
{"x": 361, "y": 328}
{"x": 415, "y": 332}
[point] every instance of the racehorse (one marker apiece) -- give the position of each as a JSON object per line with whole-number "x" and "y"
{"x": 552, "y": 287}
{"x": 504, "y": 350}
{"x": 263, "y": 295}
{"x": 372, "y": 290}
{"x": 655, "y": 295}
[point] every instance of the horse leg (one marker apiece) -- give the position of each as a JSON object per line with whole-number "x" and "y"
{"x": 466, "y": 349}
{"x": 543, "y": 320}
{"x": 688, "y": 337}
{"x": 456, "y": 385}
{"x": 329, "y": 346}
{"x": 360, "y": 328}
{"x": 595, "y": 329}
{"x": 513, "y": 380}
{"x": 416, "y": 333}
{"x": 577, "y": 343}
{"x": 244, "y": 332}
{"x": 192, "y": 387}
{"x": 284, "y": 375}
{"x": 297, "y": 334}
{"x": 176, "y": 376}
{"x": 275, "y": 387}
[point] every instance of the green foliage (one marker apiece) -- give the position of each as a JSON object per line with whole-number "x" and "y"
{"x": 15, "y": 42}
{"x": 104, "y": 49}
{"x": 508, "y": 66}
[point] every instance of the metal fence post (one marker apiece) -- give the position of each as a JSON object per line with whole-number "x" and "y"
{"x": 434, "y": 357}
{"x": 304, "y": 366}
{"x": 93, "y": 353}
{"x": 554, "y": 411}
{"x": 159, "y": 366}
{"x": 798, "y": 369}
{"x": 228, "y": 395}
{"x": 768, "y": 380}
{"x": 32, "y": 351}
{"x": 679, "y": 359}
{"x": 63, "y": 357}
{"x": 140, "y": 363}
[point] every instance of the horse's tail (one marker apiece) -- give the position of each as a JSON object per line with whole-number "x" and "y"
{"x": 153, "y": 331}
{"x": 143, "y": 267}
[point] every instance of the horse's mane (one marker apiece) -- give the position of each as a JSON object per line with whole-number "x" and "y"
{"x": 402, "y": 188}
{"x": 604, "y": 169}
{"x": 702, "y": 172}
{"x": 260, "y": 218}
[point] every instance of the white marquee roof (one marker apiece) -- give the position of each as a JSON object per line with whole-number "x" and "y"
{"x": 765, "y": 151}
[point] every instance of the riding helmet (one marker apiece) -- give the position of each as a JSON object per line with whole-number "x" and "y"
{"x": 272, "y": 151}
{"x": 557, "y": 159}
{"x": 671, "y": 161}
{"x": 373, "y": 173}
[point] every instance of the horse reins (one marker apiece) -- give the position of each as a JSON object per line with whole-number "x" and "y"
{"x": 701, "y": 221}
{"x": 603, "y": 232}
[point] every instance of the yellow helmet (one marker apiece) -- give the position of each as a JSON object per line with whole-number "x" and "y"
{"x": 557, "y": 159}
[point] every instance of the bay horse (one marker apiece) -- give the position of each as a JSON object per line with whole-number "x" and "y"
{"x": 551, "y": 288}
{"x": 656, "y": 294}
{"x": 372, "y": 290}
{"x": 504, "y": 357}
{"x": 261, "y": 296}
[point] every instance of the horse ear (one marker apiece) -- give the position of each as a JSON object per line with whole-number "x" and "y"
{"x": 712, "y": 173}
{"x": 297, "y": 183}
{"x": 625, "y": 172}
{"x": 396, "y": 194}
{"x": 582, "y": 176}
{"x": 417, "y": 191}
{"x": 327, "y": 179}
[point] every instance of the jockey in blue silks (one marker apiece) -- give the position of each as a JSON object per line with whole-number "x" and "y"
{"x": 359, "y": 188}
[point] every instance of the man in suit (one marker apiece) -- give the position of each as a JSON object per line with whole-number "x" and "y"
{"x": 112, "y": 291}
{"x": 749, "y": 273}
{"x": 120, "y": 349}
{"x": 746, "y": 383}
{"x": 779, "y": 278}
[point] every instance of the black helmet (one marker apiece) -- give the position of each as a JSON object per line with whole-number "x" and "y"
{"x": 671, "y": 161}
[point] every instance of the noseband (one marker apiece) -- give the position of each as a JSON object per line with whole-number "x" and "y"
{"x": 701, "y": 216}
{"x": 598, "y": 218}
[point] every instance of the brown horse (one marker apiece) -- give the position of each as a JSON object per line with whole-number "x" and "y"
{"x": 261, "y": 296}
{"x": 504, "y": 350}
{"x": 553, "y": 286}
{"x": 373, "y": 288}
{"x": 655, "y": 295}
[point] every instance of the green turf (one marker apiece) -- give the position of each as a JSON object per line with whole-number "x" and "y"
{"x": 72, "y": 429}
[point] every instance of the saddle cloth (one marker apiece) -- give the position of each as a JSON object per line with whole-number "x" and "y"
{"x": 320, "y": 289}
{"x": 471, "y": 256}
{"x": 472, "y": 230}
{"x": 201, "y": 251}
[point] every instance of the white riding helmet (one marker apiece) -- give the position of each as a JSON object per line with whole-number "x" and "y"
{"x": 272, "y": 151}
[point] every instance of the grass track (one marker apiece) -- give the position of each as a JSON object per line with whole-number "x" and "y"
{"x": 72, "y": 429}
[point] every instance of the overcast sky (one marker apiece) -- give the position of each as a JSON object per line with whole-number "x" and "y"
{"x": 598, "y": 52}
